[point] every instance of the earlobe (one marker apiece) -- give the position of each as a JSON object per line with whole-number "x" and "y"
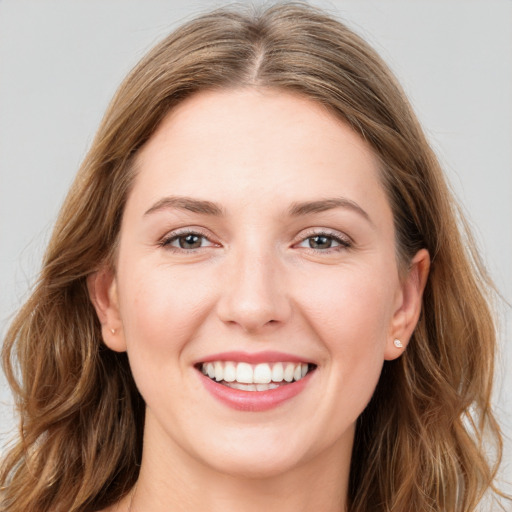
{"x": 102, "y": 287}
{"x": 408, "y": 309}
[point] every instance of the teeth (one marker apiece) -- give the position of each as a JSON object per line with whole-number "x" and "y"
{"x": 252, "y": 387}
{"x": 219, "y": 371}
{"x": 289, "y": 372}
{"x": 278, "y": 372}
{"x": 243, "y": 387}
{"x": 266, "y": 387}
{"x": 244, "y": 373}
{"x": 262, "y": 374}
{"x": 230, "y": 372}
{"x": 260, "y": 377}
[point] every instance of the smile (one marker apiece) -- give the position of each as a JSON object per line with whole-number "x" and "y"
{"x": 255, "y": 382}
{"x": 255, "y": 377}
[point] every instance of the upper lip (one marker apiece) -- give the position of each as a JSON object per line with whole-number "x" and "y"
{"x": 266, "y": 356}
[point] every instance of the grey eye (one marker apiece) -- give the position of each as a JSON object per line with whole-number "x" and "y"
{"x": 321, "y": 242}
{"x": 190, "y": 241}
{"x": 187, "y": 241}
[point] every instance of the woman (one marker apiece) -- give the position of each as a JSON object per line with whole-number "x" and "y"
{"x": 256, "y": 295}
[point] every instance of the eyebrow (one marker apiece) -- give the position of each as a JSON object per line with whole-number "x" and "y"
{"x": 186, "y": 203}
{"x": 322, "y": 205}
{"x": 296, "y": 209}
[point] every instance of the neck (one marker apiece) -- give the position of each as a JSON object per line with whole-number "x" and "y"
{"x": 175, "y": 481}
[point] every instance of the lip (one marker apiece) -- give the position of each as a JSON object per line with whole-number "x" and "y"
{"x": 254, "y": 358}
{"x": 254, "y": 401}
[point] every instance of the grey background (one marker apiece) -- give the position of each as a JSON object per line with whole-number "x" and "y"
{"x": 61, "y": 61}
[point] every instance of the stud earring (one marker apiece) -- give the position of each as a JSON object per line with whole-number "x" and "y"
{"x": 398, "y": 343}
{"x": 113, "y": 331}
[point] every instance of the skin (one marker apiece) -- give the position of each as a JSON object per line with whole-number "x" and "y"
{"x": 257, "y": 282}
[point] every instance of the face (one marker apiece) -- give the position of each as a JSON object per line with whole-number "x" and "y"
{"x": 258, "y": 247}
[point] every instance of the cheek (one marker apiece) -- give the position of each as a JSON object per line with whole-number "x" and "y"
{"x": 351, "y": 317}
{"x": 162, "y": 309}
{"x": 350, "y": 306}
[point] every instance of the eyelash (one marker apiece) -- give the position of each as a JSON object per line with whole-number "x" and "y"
{"x": 176, "y": 235}
{"x": 344, "y": 242}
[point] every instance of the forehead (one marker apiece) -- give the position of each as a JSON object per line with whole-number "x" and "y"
{"x": 231, "y": 144}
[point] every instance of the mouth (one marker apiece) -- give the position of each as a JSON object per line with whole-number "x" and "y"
{"x": 261, "y": 377}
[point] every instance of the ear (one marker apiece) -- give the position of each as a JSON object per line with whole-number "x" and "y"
{"x": 102, "y": 288}
{"x": 408, "y": 305}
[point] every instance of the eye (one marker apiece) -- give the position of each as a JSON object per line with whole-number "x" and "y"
{"x": 187, "y": 241}
{"x": 324, "y": 242}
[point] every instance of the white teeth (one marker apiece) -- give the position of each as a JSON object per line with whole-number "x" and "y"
{"x": 236, "y": 385}
{"x": 230, "y": 372}
{"x": 262, "y": 374}
{"x": 266, "y": 387}
{"x": 219, "y": 371}
{"x": 289, "y": 371}
{"x": 278, "y": 372}
{"x": 259, "y": 377}
{"x": 244, "y": 373}
{"x": 251, "y": 387}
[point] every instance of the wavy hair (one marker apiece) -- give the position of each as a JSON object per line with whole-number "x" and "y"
{"x": 419, "y": 444}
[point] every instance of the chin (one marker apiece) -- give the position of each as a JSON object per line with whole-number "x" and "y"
{"x": 256, "y": 466}
{"x": 256, "y": 455}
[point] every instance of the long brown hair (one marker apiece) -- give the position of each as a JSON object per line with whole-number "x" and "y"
{"x": 419, "y": 443}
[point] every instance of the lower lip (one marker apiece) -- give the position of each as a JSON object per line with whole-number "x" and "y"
{"x": 254, "y": 401}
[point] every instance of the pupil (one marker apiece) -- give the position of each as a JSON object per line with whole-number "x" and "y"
{"x": 320, "y": 242}
{"x": 190, "y": 241}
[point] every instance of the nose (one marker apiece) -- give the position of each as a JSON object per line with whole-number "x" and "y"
{"x": 254, "y": 295}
